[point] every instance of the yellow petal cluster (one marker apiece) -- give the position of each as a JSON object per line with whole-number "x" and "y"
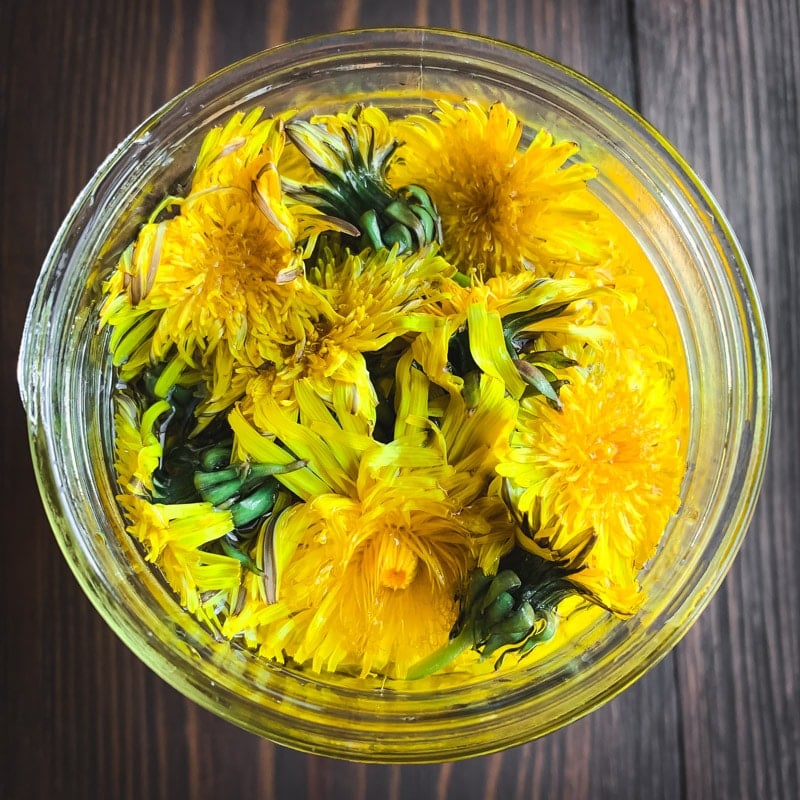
{"x": 138, "y": 449}
{"x": 505, "y": 207}
{"x": 212, "y": 269}
{"x": 173, "y": 537}
{"x": 370, "y": 565}
{"x": 611, "y": 460}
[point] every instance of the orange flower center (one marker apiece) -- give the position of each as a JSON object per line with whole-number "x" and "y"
{"x": 395, "y": 564}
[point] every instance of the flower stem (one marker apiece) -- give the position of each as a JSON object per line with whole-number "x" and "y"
{"x": 443, "y": 656}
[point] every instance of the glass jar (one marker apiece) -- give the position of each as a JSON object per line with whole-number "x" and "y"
{"x": 66, "y": 381}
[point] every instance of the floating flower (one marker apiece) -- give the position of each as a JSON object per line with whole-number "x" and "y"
{"x": 351, "y": 304}
{"x": 350, "y": 154}
{"x": 610, "y": 461}
{"x": 502, "y": 208}
{"x": 224, "y": 264}
{"x": 373, "y": 579}
{"x": 569, "y": 554}
{"x": 173, "y": 537}
{"x": 137, "y": 450}
{"x": 359, "y": 303}
{"x": 369, "y": 566}
{"x": 498, "y": 328}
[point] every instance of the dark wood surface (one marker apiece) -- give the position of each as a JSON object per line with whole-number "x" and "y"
{"x": 718, "y": 718}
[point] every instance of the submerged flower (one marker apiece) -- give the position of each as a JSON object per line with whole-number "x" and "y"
{"x": 610, "y": 461}
{"x": 369, "y": 566}
{"x": 370, "y": 580}
{"x": 350, "y": 304}
{"x": 184, "y": 525}
{"x": 503, "y": 208}
{"x": 498, "y": 328}
{"x": 137, "y": 449}
{"x": 224, "y": 264}
{"x": 354, "y": 304}
{"x": 173, "y": 537}
{"x": 569, "y": 553}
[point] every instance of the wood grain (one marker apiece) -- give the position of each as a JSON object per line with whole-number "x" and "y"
{"x": 721, "y": 80}
{"x": 718, "y": 718}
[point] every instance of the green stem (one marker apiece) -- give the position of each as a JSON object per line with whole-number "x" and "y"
{"x": 443, "y": 656}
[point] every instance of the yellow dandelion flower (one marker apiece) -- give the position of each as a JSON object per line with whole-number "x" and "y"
{"x": 359, "y": 303}
{"x": 350, "y": 305}
{"x": 349, "y": 155}
{"x": 250, "y": 153}
{"x": 370, "y": 565}
{"x": 186, "y": 525}
{"x": 233, "y": 155}
{"x": 369, "y": 128}
{"x": 137, "y": 449}
{"x": 496, "y": 327}
{"x": 570, "y": 553}
{"x": 216, "y": 270}
{"x": 173, "y": 535}
{"x": 206, "y": 583}
{"x": 373, "y": 579}
{"x": 502, "y": 208}
{"x": 471, "y": 429}
{"x": 611, "y": 460}
{"x": 225, "y": 264}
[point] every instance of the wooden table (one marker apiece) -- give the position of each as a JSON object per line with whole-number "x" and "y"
{"x": 718, "y": 718}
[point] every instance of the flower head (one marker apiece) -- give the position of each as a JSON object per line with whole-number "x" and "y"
{"x": 224, "y": 264}
{"x": 372, "y": 579}
{"x": 610, "y": 461}
{"x": 502, "y": 208}
{"x": 137, "y": 449}
{"x": 369, "y": 566}
{"x": 498, "y": 328}
{"x": 350, "y": 154}
{"x": 354, "y": 304}
{"x": 173, "y": 537}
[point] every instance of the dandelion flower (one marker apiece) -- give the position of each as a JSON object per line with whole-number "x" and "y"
{"x": 498, "y": 326}
{"x": 224, "y": 264}
{"x": 350, "y": 154}
{"x": 502, "y": 207}
{"x": 373, "y": 579}
{"x": 173, "y": 536}
{"x": 611, "y": 461}
{"x": 137, "y": 449}
{"x": 358, "y": 303}
{"x": 369, "y": 568}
